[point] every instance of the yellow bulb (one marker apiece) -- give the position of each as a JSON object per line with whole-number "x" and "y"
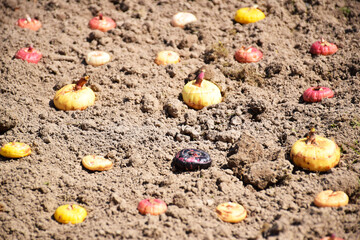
{"x": 198, "y": 97}
{"x": 321, "y": 154}
{"x": 70, "y": 214}
{"x": 331, "y": 198}
{"x": 74, "y": 96}
{"x": 167, "y": 57}
{"x": 15, "y": 150}
{"x": 231, "y": 212}
{"x": 249, "y": 15}
{"x": 96, "y": 163}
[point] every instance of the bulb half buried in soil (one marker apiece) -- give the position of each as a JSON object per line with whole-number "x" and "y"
{"x": 192, "y": 159}
{"x": 231, "y": 212}
{"x": 29, "y": 54}
{"x": 152, "y": 207}
{"x": 167, "y": 57}
{"x": 182, "y": 18}
{"x": 330, "y": 198}
{"x": 29, "y": 23}
{"x": 97, "y": 58}
{"x": 102, "y": 23}
{"x": 70, "y": 214}
{"x": 96, "y": 163}
{"x": 15, "y": 150}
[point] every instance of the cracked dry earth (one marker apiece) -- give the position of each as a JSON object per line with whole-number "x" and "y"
{"x": 140, "y": 122}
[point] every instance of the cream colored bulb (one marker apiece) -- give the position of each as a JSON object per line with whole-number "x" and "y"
{"x": 97, "y": 58}
{"x": 167, "y": 57}
{"x": 182, "y": 18}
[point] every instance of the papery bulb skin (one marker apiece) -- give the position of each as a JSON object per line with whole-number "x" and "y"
{"x": 102, "y": 23}
{"x": 323, "y": 47}
{"x": 97, "y": 58}
{"x": 152, "y": 207}
{"x": 201, "y": 93}
{"x": 190, "y": 159}
{"x": 331, "y": 198}
{"x": 248, "y": 55}
{"x": 96, "y": 163}
{"x": 249, "y": 15}
{"x": 73, "y": 214}
{"x": 317, "y": 94}
{"x": 29, "y": 54}
{"x": 29, "y": 23}
{"x": 167, "y": 57}
{"x": 182, "y": 18}
{"x": 315, "y": 153}
{"x": 15, "y": 150}
{"x": 74, "y": 96}
{"x": 231, "y": 212}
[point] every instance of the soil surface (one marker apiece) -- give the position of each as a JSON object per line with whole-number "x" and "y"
{"x": 140, "y": 122}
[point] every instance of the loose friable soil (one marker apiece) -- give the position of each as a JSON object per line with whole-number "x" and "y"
{"x": 140, "y": 122}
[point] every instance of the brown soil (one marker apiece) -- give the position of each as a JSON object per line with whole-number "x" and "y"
{"x": 140, "y": 122}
